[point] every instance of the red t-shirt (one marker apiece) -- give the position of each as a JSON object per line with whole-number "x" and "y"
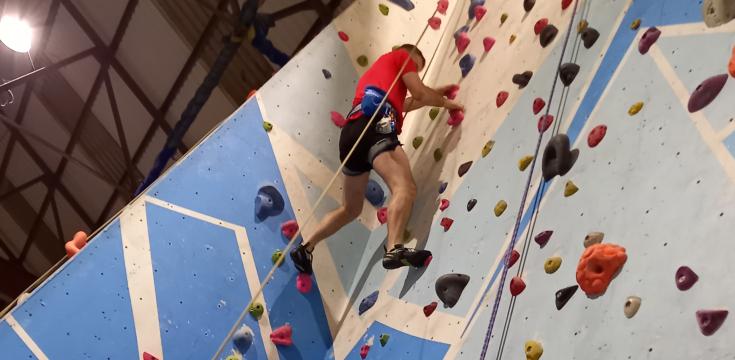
{"x": 381, "y": 74}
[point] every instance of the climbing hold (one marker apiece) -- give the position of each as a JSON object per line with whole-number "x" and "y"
{"x": 442, "y": 187}
{"x": 455, "y": 118}
{"x": 433, "y": 113}
{"x": 147, "y": 356}
{"x": 731, "y": 65}
{"x": 547, "y": 35}
{"x": 438, "y": 154}
{"x": 524, "y": 162}
{"x": 543, "y": 237}
{"x": 570, "y": 189}
{"x": 463, "y": 29}
{"x": 449, "y": 288}
{"x": 367, "y": 302}
{"x": 268, "y": 202}
{"x": 76, "y": 243}
{"x": 383, "y": 9}
{"x": 512, "y": 38}
{"x": 338, "y": 119}
{"x": 384, "y": 339}
{"x": 327, "y": 74}
{"x": 251, "y": 93}
{"x": 631, "y": 306}
{"x": 343, "y": 36}
{"x": 517, "y": 285}
{"x": 596, "y": 135}
{"x": 442, "y": 6}
{"x": 443, "y": 204}
{"x": 446, "y": 223}
{"x": 552, "y": 264}
{"x": 464, "y": 168}
{"x": 452, "y": 92}
{"x": 488, "y": 42}
{"x": 685, "y": 278}
{"x": 563, "y": 296}
{"x": 582, "y": 26}
{"x": 593, "y": 238}
{"x": 534, "y": 350}
{"x": 256, "y": 310}
{"x": 635, "y": 108}
{"x": 589, "y": 37}
{"x": 500, "y": 208}
{"x": 540, "y": 25}
{"x": 567, "y": 73}
{"x": 558, "y": 159}
{"x": 514, "y": 256}
{"x": 362, "y": 60}
{"x": 405, "y": 4}
{"x": 267, "y": 126}
{"x": 242, "y": 339}
{"x": 538, "y": 105}
{"x": 276, "y": 256}
{"x": 466, "y": 63}
{"x": 706, "y": 92}
{"x": 522, "y": 79}
{"x": 480, "y": 12}
{"x": 487, "y": 147}
{"x": 417, "y": 141}
{"x": 528, "y": 5}
{"x": 364, "y": 349}
{"x": 374, "y": 193}
{"x": 501, "y": 98}
{"x": 462, "y": 41}
{"x": 565, "y": 4}
{"x": 282, "y": 335}
{"x": 503, "y": 17}
{"x": 544, "y": 122}
{"x": 303, "y": 283}
{"x": 648, "y": 39}
{"x": 289, "y": 228}
{"x": 635, "y": 24}
{"x": 710, "y": 320}
{"x": 597, "y": 266}
{"x": 429, "y": 309}
{"x": 382, "y": 215}
{"x": 471, "y": 204}
{"x": 718, "y": 12}
{"x": 435, "y": 23}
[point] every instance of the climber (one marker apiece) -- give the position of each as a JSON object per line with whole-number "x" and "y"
{"x": 381, "y": 150}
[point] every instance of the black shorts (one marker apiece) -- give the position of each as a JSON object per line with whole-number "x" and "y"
{"x": 371, "y": 145}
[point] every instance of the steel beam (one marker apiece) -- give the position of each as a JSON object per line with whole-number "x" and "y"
{"x": 22, "y": 187}
{"x": 120, "y": 131}
{"x": 43, "y": 70}
{"x": 291, "y": 10}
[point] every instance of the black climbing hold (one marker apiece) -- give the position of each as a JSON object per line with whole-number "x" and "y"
{"x": 405, "y": 4}
{"x": 449, "y": 288}
{"x": 589, "y": 37}
{"x": 522, "y": 79}
{"x": 706, "y": 92}
{"x": 268, "y": 202}
{"x": 558, "y": 159}
{"x": 563, "y": 296}
{"x": 567, "y": 73}
{"x": 327, "y": 74}
{"x": 464, "y": 168}
{"x": 528, "y": 5}
{"x": 442, "y": 187}
{"x": 471, "y": 204}
{"x": 547, "y": 35}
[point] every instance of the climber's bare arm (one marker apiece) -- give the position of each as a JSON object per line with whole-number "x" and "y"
{"x": 427, "y": 96}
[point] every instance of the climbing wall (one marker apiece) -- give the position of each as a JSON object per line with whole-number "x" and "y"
{"x": 170, "y": 275}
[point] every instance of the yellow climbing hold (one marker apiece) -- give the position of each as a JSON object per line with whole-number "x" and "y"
{"x": 503, "y": 18}
{"x": 552, "y": 264}
{"x": 383, "y": 9}
{"x": 433, "y": 113}
{"x": 583, "y": 24}
{"x": 417, "y": 141}
{"x": 251, "y": 33}
{"x": 512, "y": 39}
{"x": 524, "y": 162}
{"x": 570, "y": 189}
{"x": 488, "y": 147}
{"x": 635, "y": 108}
{"x": 362, "y": 60}
{"x": 267, "y": 126}
{"x": 534, "y": 350}
{"x": 438, "y": 154}
{"x": 635, "y": 24}
{"x": 500, "y": 207}
{"x": 233, "y": 357}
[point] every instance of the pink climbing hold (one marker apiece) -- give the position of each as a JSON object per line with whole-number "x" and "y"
{"x": 429, "y": 309}
{"x": 455, "y": 117}
{"x": 545, "y": 122}
{"x": 480, "y": 12}
{"x": 446, "y": 223}
{"x": 442, "y": 6}
{"x": 383, "y": 215}
{"x": 462, "y": 41}
{"x": 303, "y": 283}
{"x": 452, "y": 92}
{"x": 76, "y": 244}
{"x": 364, "y": 351}
{"x": 565, "y": 4}
{"x": 443, "y": 204}
{"x": 282, "y": 336}
{"x": 543, "y": 237}
{"x": 435, "y": 23}
{"x": 540, "y": 25}
{"x": 514, "y": 256}
{"x": 338, "y": 119}
{"x": 147, "y": 356}
{"x": 596, "y": 135}
{"x": 343, "y": 36}
{"x": 500, "y": 99}
{"x": 517, "y": 285}
{"x": 488, "y": 43}
{"x": 289, "y": 228}
{"x": 538, "y": 105}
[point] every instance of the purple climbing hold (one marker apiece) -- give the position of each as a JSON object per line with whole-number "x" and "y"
{"x": 443, "y": 187}
{"x": 368, "y": 302}
{"x": 464, "y": 168}
{"x": 405, "y": 4}
{"x": 710, "y": 320}
{"x": 648, "y": 39}
{"x": 706, "y": 92}
{"x": 374, "y": 193}
{"x": 471, "y": 204}
{"x": 685, "y": 278}
{"x": 268, "y": 202}
{"x": 543, "y": 237}
{"x": 466, "y": 63}
{"x": 461, "y": 30}
{"x": 327, "y": 74}
{"x": 473, "y": 5}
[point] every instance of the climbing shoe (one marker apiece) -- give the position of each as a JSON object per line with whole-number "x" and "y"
{"x": 302, "y": 257}
{"x": 401, "y": 256}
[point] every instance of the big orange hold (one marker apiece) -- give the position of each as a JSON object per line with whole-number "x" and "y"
{"x": 597, "y": 266}
{"x": 731, "y": 66}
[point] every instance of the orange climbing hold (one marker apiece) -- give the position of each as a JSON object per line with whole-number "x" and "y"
{"x": 598, "y": 265}
{"x": 731, "y": 66}
{"x": 76, "y": 244}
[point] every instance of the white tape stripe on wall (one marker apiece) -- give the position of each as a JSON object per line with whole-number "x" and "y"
{"x": 23, "y": 335}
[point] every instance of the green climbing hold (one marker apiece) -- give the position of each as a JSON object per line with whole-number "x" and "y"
{"x": 256, "y": 310}
{"x": 233, "y": 357}
{"x": 503, "y": 18}
{"x": 487, "y": 148}
{"x": 433, "y": 113}
{"x": 383, "y": 9}
{"x": 384, "y": 339}
{"x": 267, "y": 126}
{"x": 417, "y": 141}
{"x": 277, "y": 255}
{"x": 362, "y": 60}
{"x": 438, "y": 154}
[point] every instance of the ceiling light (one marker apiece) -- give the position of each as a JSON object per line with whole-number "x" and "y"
{"x": 15, "y": 33}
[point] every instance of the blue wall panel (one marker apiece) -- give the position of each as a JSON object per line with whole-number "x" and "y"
{"x": 12, "y": 346}
{"x": 400, "y": 346}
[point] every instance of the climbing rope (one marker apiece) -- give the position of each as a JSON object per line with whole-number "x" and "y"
{"x": 311, "y": 213}
{"x": 506, "y": 257}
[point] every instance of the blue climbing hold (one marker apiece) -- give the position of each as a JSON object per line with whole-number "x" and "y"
{"x": 368, "y": 302}
{"x": 405, "y": 4}
{"x": 242, "y": 339}
{"x": 473, "y": 5}
{"x": 466, "y": 63}
{"x": 374, "y": 193}
{"x": 268, "y": 202}
{"x": 461, "y": 30}
{"x": 443, "y": 187}
{"x": 327, "y": 74}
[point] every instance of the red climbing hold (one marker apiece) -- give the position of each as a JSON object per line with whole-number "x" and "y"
{"x": 545, "y": 122}
{"x": 289, "y": 228}
{"x": 480, "y": 12}
{"x": 443, "y": 204}
{"x": 76, "y": 244}
{"x": 538, "y": 105}
{"x": 543, "y": 237}
{"x": 597, "y": 267}
{"x": 731, "y": 65}
{"x": 596, "y": 135}
{"x": 147, "y": 356}
{"x": 710, "y": 320}
{"x": 565, "y": 4}
{"x": 514, "y": 256}
{"x": 435, "y": 23}
{"x": 540, "y": 25}
{"x": 364, "y": 351}
{"x": 429, "y": 309}
{"x": 383, "y": 215}
{"x": 462, "y": 41}
{"x": 343, "y": 36}
{"x": 338, "y": 119}
{"x": 517, "y": 286}
{"x": 303, "y": 283}
{"x": 500, "y": 99}
{"x": 452, "y": 91}
{"x": 488, "y": 43}
{"x": 442, "y": 6}
{"x": 282, "y": 335}
{"x": 455, "y": 117}
{"x": 446, "y": 223}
